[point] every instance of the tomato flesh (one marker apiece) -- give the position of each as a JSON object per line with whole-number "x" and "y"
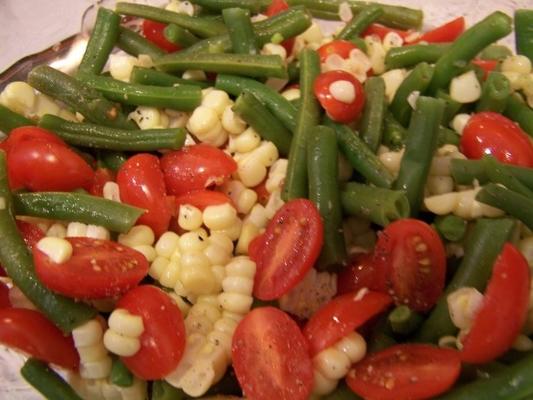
{"x": 26, "y": 133}
{"x": 101, "y": 177}
{"x": 4, "y": 296}
{"x": 153, "y": 31}
{"x": 444, "y": 33}
{"x": 361, "y": 273}
{"x": 203, "y": 198}
{"x": 382, "y": 31}
{"x": 342, "y": 48}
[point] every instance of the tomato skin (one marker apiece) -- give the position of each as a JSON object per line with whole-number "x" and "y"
{"x": 486, "y": 65}
{"x": 405, "y": 372}
{"x": 142, "y": 184}
{"x": 361, "y": 273}
{"x": 25, "y": 133}
{"x": 153, "y": 31}
{"x": 270, "y": 357}
{"x": 203, "y": 198}
{"x": 163, "y": 338}
{"x": 115, "y": 269}
{"x": 262, "y": 193}
{"x": 341, "y": 47}
{"x": 503, "y": 311}
{"x": 288, "y": 249}
{"x": 30, "y": 233}
{"x": 101, "y": 177}
{"x": 31, "y": 332}
{"x": 342, "y": 315}
{"x": 382, "y": 31}
{"x": 492, "y": 133}
{"x": 414, "y": 259}
{"x": 338, "y": 110}
{"x": 4, "y": 296}
{"x": 444, "y": 33}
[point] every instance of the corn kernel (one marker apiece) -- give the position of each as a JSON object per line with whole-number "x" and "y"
{"x": 167, "y": 244}
{"x": 137, "y": 236}
{"x": 59, "y": 250}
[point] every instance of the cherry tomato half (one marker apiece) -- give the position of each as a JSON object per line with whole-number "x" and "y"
{"x": 153, "y": 31}
{"x": 382, "y": 31}
{"x": 30, "y": 332}
{"x": 24, "y": 133}
{"x": 405, "y": 372}
{"x": 503, "y": 311}
{"x": 490, "y": 133}
{"x": 413, "y": 256}
{"x": 163, "y": 338}
{"x": 288, "y": 249}
{"x": 203, "y": 198}
{"x": 338, "y": 110}
{"x": 339, "y": 47}
{"x": 97, "y": 269}
{"x": 270, "y": 357}
{"x": 444, "y": 33}
{"x": 361, "y": 273}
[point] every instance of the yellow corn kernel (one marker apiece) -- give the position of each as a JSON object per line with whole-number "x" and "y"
{"x": 147, "y": 251}
{"x": 245, "y": 142}
{"x": 219, "y": 217}
{"x": 123, "y": 346}
{"x": 92, "y": 353}
{"x": 332, "y": 363}
{"x": 157, "y": 267}
{"x": 137, "y": 236}
{"x": 190, "y": 217}
{"x": 353, "y": 346}
{"x": 59, "y": 250}
{"x": 18, "y": 97}
{"x": 170, "y": 276}
{"x": 88, "y": 334}
{"x": 465, "y": 88}
{"x": 194, "y": 241}
{"x": 76, "y": 229}
{"x": 96, "y": 369}
{"x": 323, "y": 385}
{"x": 124, "y": 323}
{"x": 231, "y": 122}
{"x": 57, "y": 230}
{"x": 44, "y": 105}
{"x": 233, "y": 232}
{"x": 167, "y": 244}
{"x": 516, "y": 63}
{"x": 217, "y": 100}
{"x": 97, "y": 232}
{"x": 248, "y": 233}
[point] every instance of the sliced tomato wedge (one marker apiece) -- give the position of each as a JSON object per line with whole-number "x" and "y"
{"x": 405, "y": 372}
{"x": 342, "y": 48}
{"x": 444, "y": 33}
{"x": 288, "y": 249}
{"x": 163, "y": 338}
{"x": 270, "y": 357}
{"x": 97, "y": 269}
{"x": 30, "y": 332}
{"x": 203, "y": 198}
{"x": 382, "y": 31}
{"x": 503, "y": 311}
{"x": 153, "y": 31}
{"x": 361, "y": 273}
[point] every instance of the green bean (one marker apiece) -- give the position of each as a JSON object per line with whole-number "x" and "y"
{"x": 10, "y": 120}
{"x": 417, "y": 81}
{"x": 120, "y": 375}
{"x": 241, "y": 31}
{"x": 450, "y": 227}
{"x": 393, "y": 16}
{"x": 18, "y": 263}
{"x": 495, "y": 92}
{"x": 360, "y": 22}
{"x": 87, "y": 101}
{"x": 322, "y": 170}
{"x": 251, "y": 110}
{"x": 134, "y": 44}
{"x": 112, "y": 159}
{"x": 293, "y": 69}
{"x": 497, "y": 173}
{"x": 482, "y": 247}
{"x": 179, "y": 36}
{"x": 103, "y": 38}
{"x": 447, "y": 136}
{"x": 495, "y": 52}
{"x": 254, "y": 65}
{"x": 467, "y": 46}
{"x": 411, "y": 55}
{"x": 255, "y": 6}
{"x": 372, "y": 122}
{"x": 276, "y": 103}
{"x": 342, "y": 392}
{"x": 181, "y": 97}
{"x": 520, "y": 113}
{"x": 379, "y": 205}
{"x": 360, "y": 43}
{"x": 161, "y": 390}
{"x": 512, "y": 383}
{"x": 421, "y": 143}
{"x": 46, "y": 381}
{"x": 381, "y": 336}
{"x": 198, "y": 26}
{"x": 148, "y": 76}
{"x": 94, "y": 210}
{"x": 101, "y": 137}
{"x": 360, "y": 157}
{"x": 403, "y": 320}
{"x": 523, "y": 20}
{"x": 452, "y": 106}
{"x": 394, "y": 133}
{"x": 307, "y": 118}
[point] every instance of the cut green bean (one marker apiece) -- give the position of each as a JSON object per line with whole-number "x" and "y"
{"x": 360, "y": 157}
{"x": 497, "y": 173}
{"x": 452, "y": 107}
{"x": 322, "y": 170}
{"x": 451, "y": 227}
{"x": 495, "y": 93}
{"x": 404, "y": 321}
{"x": 18, "y": 263}
{"x": 46, "y": 381}
{"x": 523, "y": 20}
{"x": 134, "y": 44}
{"x": 494, "y": 27}
{"x": 394, "y": 133}
{"x": 520, "y": 113}
{"x": 94, "y": 210}
{"x": 411, "y": 55}
{"x": 10, "y": 120}
{"x": 307, "y": 118}
{"x": 181, "y": 97}
{"x": 101, "y": 137}
{"x": 251, "y": 110}
{"x": 379, "y": 205}
{"x": 421, "y": 143}
{"x": 120, "y": 375}
{"x": 255, "y": 6}
{"x": 196, "y": 25}
{"x": 83, "y": 99}
{"x": 495, "y": 52}
{"x": 417, "y": 81}
{"x": 103, "y": 38}
{"x": 153, "y": 77}
{"x": 360, "y": 22}
{"x": 447, "y": 136}
{"x": 482, "y": 247}
{"x": 179, "y": 36}
{"x": 372, "y": 122}
{"x": 241, "y": 31}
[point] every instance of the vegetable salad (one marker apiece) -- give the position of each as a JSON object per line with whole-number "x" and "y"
{"x": 223, "y": 200}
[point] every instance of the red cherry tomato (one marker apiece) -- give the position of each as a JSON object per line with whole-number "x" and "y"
{"x": 486, "y": 65}
{"x": 382, "y": 31}
{"x": 203, "y": 198}
{"x": 444, "y": 33}
{"x": 255, "y": 246}
{"x": 196, "y": 168}
{"x": 288, "y": 249}
{"x": 405, "y": 372}
{"x": 47, "y": 166}
{"x": 270, "y": 357}
{"x": 340, "y": 47}
{"x": 492, "y": 133}
{"x": 4, "y": 296}
{"x": 413, "y": 256}
{"x": 262, "y": 193}
{"x": 163, "y": 338}
{"x": 342, "y": 315}
{"x": 101, "y": 177}
{"x": 503, "y": 311}
{"x": 96, "y": 269}
{"x": 153, "y": 31}
{"x": 361, "y": 273}
{"x": 25, "y": 133}
{"x": 338, "y": 110}
{"x": 30, "y": 233}
{"x": 142, "y": 184}
{"x": 30, "y": 332}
